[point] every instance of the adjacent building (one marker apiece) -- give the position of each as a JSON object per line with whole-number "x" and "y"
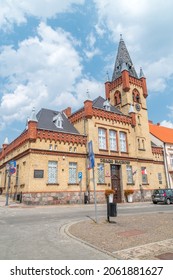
{"x": 51, "y": 154}
{"x": 163, "y": 137}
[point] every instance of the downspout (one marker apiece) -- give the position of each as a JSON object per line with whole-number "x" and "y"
{"x": 166, "y": 165}
{"x": 86, "y": 159}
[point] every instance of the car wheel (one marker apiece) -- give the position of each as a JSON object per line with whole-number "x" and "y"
{"x": 168, "y": 201}
{"x": 155, "y": 202}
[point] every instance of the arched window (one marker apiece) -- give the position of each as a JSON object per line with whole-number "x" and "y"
{"x": 117, "y": 98}
{"x": 136, "y": 96}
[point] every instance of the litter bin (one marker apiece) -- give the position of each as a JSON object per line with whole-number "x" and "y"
{"x": 85, "y": 198}
{"x": 113, "y": 209}
{"x": 19, "y": 197}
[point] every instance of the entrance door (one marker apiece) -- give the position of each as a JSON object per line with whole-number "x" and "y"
{"x": 116, "y": 181}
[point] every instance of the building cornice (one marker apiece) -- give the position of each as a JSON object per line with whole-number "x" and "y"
{"x": 61, "y": 137}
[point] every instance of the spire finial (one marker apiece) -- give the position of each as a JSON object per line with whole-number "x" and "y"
{"x": 107, "y": 76}
{"x": 141, "y": 74}
{"x": 121, "y": 37}
{"x": 6, "y": 142}
{"x": 88, "y": 94}
{"x": 33, "y": 116}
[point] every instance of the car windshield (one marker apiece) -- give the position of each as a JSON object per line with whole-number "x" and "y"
{"x": 158, "y": 192}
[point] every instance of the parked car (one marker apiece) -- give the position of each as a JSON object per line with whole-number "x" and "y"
{"x": 162, "y": 195}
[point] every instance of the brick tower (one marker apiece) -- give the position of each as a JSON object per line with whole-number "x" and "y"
{"x": 128, "y": 93}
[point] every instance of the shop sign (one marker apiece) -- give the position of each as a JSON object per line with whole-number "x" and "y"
{"x": 104, "y": 160}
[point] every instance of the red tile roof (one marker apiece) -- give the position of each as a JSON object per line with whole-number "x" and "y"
{"x": 165, "y": 134}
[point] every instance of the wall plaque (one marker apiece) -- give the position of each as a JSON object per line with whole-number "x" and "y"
{"x": 38, "y": 173}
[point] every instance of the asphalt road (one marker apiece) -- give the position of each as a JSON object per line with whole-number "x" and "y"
{"x": 37, "y": 233}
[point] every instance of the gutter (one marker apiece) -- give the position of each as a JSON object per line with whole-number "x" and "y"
{"x": 166, "y": 166}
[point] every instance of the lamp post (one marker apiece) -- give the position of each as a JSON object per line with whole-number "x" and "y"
{"x": 8, "y": 184}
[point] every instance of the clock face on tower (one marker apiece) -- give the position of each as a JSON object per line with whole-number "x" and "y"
{"x": 138, "y": 107}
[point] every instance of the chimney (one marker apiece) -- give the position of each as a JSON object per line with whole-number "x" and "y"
{"x": 88, "y": 108}
{"x": 32, "y": 125}
{"x": 107, "y": 90}
{"x": 67, "y": 111}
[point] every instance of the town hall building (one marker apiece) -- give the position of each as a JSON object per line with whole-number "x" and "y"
{"x": 51, "y": 155}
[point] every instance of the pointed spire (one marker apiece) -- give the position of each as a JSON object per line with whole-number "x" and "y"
{"x": 141, "y": 74}
{"x": 6, "y": 142}
{"x": 33, "y": 115}
{"x": 27, "y": 120}
{"x": 123, "y": 57}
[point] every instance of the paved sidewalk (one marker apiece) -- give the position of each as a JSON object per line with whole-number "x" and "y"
{"x": 11, "y": 202}
{"x": 145, "y": 237}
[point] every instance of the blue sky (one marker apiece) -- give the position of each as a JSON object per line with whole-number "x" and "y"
{"x": 53, "y": 51}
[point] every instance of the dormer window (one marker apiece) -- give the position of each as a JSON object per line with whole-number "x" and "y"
{"x": 106, "y": 105}
{"x": 58, "y": 120}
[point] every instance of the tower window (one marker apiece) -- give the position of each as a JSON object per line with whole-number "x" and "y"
{"x": 136, "y": 96}
{"x": 117, "y": 98}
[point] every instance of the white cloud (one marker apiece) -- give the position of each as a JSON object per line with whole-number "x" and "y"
{"x": 167, "y": 124}
{"x": 38, "y": 71}
{"x": 82, "y": 89}
{"x": 159, "y": 72}
{"x": 91, "y": 50}
{"x": 17, "y": 11}
{"x": 45, "y": 71}
{"x": 142, "y": 23}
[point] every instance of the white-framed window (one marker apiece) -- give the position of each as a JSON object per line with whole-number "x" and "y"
{"x": 129, "y": 174}
{"x": 52, "y": 172}
{"x": 72, "y": 172}
{"x": 123, "y": 144}
{"x": 144, "y": 175}
{"x": 101, "y": 173}
{"x": 113, "y": 140}
{"x": 102, "y": 138}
